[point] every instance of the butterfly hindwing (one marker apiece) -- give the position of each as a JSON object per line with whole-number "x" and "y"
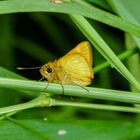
{"x": 77, "y": 68}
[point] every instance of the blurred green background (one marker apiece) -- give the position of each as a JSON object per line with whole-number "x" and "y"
{"x": 33, "y": 39}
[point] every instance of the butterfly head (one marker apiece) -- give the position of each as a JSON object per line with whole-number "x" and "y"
{"x": 46, "y": 71}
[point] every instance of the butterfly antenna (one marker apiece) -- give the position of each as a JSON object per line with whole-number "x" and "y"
{"x": 21, "y": 68}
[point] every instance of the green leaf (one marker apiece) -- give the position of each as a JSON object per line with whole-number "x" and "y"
{"x": 127, "y": 11}
{"x": 9, "y": 96}
{"x": 65, "y": 130}
{"x": 15, "y": 6}
{"x": 8, "y": 74}
{"x": 103, "y": 48}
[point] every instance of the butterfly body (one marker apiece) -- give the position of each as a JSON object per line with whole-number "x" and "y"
{"x": 73, "y": 68}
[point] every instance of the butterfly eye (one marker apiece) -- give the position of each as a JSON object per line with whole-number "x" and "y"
{"x": 49, "y": 70}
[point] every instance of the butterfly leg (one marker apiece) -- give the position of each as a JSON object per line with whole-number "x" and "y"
{"x": 41, "y": 78}
{"x": 62, "y": 88}
{"x": 81, "y": 86}
{"x": 45, "y": 89}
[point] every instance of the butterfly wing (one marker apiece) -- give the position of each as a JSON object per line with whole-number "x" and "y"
{"x": 77, "y": 69}
{"x": 83, "y": 49}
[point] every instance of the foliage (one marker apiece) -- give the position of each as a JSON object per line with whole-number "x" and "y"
{"x": 35, "y": 32}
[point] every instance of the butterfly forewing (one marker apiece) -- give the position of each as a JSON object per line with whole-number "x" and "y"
{"x": 83, "y": 49}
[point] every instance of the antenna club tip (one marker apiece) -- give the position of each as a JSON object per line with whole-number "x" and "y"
{"x": 19, "y": 68}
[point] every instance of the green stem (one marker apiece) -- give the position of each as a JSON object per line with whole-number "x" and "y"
{"x": 32, "y": 101}
{"x": 122, "y": 56}
{"x": 22, "y": 106}
{"x": 70, "y": 90}
{"x": 47, "y": 102}
{"x": 43, "y": 101}
{"x": 8, "y": 115}
{"x": 97, "y": 106}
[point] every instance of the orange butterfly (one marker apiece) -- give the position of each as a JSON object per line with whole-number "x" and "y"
{"x": 73, "y": 68}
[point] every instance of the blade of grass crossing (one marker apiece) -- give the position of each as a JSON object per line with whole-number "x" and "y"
{"x": 103, "y": 48}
